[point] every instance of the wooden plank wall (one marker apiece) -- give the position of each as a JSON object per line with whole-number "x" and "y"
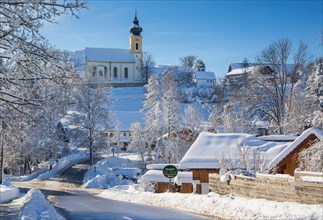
{"x": 271, "y": 187}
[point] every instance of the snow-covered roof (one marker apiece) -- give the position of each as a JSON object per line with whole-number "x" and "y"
{"x": 240, "y": 71}
{"x": 154, "y": 176}
{"x": 209, "y": 147}
{"x": 109, "y": 55}
{"x": 184, "y": 177}
{"x": 206, "y": 149}
{"x": 204, "y": 75}
{"x": 317, "y": 132}
{"x": 101, "y": 55}
{"x": 159, "y": 166}
{"x": 278, "y": 137}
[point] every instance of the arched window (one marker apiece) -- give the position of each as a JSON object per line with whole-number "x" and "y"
{"x": 115, "y": 72}
{"x": 100, "y": 73}
{"x": 94, "y": 71}
{"x": 137, "y": 46}
{"x": 126, "y": 72}
{"x": 105, "y": 72}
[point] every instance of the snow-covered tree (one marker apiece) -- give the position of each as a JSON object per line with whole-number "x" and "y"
{"x": 93, "y": 117}
{"x": 266, "y": 92}
{"x": 193, "y": 120}
{"x": 153, "y": 111}
{"x": 311, "y": 158}
{"x": 27, "y": 60}
{"x": 138, "y": 143}
{"x": 25, "y": 53}
{"x": 188, "y": 61}
{"x": 147, "y": 64}
{"x": 171, "y": 107}
{"x": 199, "y": 65}
{"x": 314, "y": 93}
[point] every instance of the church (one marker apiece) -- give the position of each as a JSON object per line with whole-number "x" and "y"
{"x": 113, "y": 66}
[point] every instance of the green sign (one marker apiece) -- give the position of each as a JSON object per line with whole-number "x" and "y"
{"x": 170, "y": 171}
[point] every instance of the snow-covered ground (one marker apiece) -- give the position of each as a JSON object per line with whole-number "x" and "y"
{"x": 214, "y": 205}
{"x": 37, "y": 207}
{"x": 8, "y": 192}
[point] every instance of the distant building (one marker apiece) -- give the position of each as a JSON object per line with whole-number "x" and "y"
{"x": 112, "y": 66}
{"x": 204, "y": 79}
{"x": 239, "y": 71}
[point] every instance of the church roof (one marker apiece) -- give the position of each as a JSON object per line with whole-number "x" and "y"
{"x": 102, "y": 55}
{"x": 108, "y": 55}
{"x": 204, "y": 75}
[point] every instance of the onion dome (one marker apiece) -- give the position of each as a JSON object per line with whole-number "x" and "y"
{"x": 135, "y": 29}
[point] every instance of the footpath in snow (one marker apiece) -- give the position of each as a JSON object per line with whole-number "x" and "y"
{"x": 217, "y": 206}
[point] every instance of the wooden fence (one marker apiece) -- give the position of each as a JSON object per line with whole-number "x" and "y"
{"x": 304, "y": 187}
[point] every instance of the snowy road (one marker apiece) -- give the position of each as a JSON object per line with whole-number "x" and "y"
{"x": 83, "y": 205}
{"x": 73, "y": 202}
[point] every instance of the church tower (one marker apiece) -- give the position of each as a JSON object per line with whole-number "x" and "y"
{"x": 135, "y": 38}
{"x": 136, "y": 48}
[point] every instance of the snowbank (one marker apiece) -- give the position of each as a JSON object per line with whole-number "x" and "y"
{"x": 65, "y": 162}
{"x": 37, "y": 207}
{"x": 110, "y": 172}
{"x": 27, "y": 177}
{"x": 8, "y": 192}
{"x": 214, "y": 205}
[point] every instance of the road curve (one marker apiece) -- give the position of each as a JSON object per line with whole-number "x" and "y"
{"x": 83, "y": 205}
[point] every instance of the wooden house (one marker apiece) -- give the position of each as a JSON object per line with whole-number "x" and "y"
{"x": 203, "y": 156}
{"x": 287, "y": 161}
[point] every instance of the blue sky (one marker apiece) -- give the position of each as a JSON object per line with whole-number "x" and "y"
{"x": 218, "y": 32}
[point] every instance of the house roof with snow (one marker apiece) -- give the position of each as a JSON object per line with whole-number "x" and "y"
{"x": 154, "y": 176}
{"x": 209, "y": 147}
{"x": 297, "y": 142}
{"x": 204, "y": 75}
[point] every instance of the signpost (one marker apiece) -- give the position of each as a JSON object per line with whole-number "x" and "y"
{"x": 170, "y": 172}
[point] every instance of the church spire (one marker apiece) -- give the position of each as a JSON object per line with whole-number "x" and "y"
{"x": 135, "y": 28}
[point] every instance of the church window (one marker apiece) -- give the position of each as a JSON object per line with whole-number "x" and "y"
{"x": 126, "y": 73}
{"x": 115, "y": 72}
{"x": 137, "y": 46}
{"x": 94, "y": 71}
{"x": 105, "y": 72}
{"x": 101, "y": 73}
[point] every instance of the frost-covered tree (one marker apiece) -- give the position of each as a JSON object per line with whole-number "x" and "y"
{"x": 199, "y": 65}
{"x": 153, "y": 111}
{"x": 311, "y": 158}
{"x": 147, "y": 65}
{"x": 266, "y": 92}
{"x": 138, "y": 143}
{"x": 27, "y": 60}
{"x": 93, "y": 118}
{"x": 314, "y": 93}
{"x": 171, "y": 107}
{"x": 26, "y": 55}
{"x": 193, "y": 120}
{"x": 188, "y": 61}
